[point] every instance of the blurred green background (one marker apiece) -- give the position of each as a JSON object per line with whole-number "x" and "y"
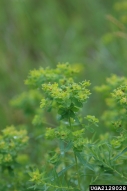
{"x": 38, "y": 33}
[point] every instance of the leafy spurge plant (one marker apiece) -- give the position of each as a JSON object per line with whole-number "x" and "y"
{"x": 11, "y": 141}
{"x": 67, "y": 97}
{"x": 75, "y": 158}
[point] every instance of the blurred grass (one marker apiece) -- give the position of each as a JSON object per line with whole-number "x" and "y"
{"x": 43, "y": 33}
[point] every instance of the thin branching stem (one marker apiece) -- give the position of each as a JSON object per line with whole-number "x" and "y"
{"x": 76, "y": 162}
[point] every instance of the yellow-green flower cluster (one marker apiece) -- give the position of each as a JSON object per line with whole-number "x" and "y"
{"x": 115, "y": 80}
{"x": 37, "y": 177}
{"x": 92, "y": 119}
{"x": 63, "y": 71}
{"x": 67, "y": 98}
{"x": 117, "y": 101}
{"x": 78, "y": 133}
{"x": 119, "y": 141}
{"x": 78, "y": 140}
{"x": 78, "y": 144}
{"x": 53, "y": 91}
{"x": 64, "y": 133}
{"x": 117, "y": 124}
{"x": 58, "y": 90}
{"x": 111, "y": 83}
{"x": 120, "y": 95}
{"x": 61, "y": 132}
{"x": 50, "y": 133}
{"x": 67, "y": 69}
{"x": 11, "y": 141}
{"x": 37, "y": 77}
{"x": 115, "y": 143}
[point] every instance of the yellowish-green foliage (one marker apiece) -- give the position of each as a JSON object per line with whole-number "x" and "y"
{"x": 71, "y": 160}
{"x": 75, "y": 151}
{"x": 63, "y": 152}
{"x": 38, "y": 77}
{"x": 11, "y": 142}
{"x": 115, "y": 94}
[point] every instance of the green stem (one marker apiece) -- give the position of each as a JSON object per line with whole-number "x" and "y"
{"x": 70, "y": 122}
{"x": 76, "y": 162}
{"x": 55, "y": 186}
{"x": 63, "y": 156}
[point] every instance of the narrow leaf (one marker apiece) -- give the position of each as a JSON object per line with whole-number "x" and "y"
{"x": 65, "y": 169}
{"x": 84, "y": 162}
{"x": 117, "y": 156}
